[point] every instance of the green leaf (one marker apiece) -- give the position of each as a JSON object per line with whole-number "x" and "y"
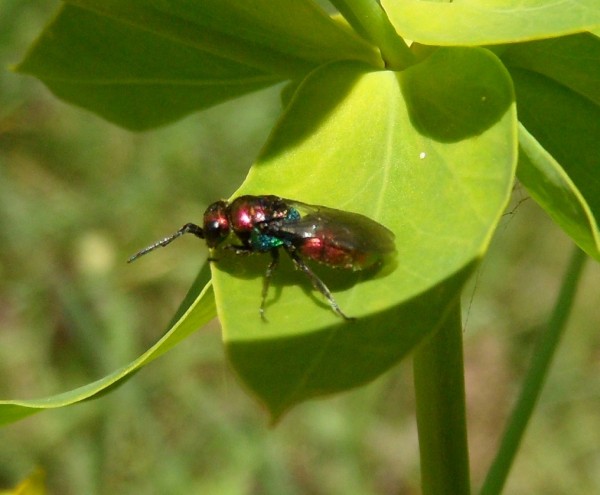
{"x": 142, "y": 64}
{"x": 559, "y": 104}
{"x": 270, "y": 35}
{"x": 197, "y": 309}
{"x": 131, "y": 76}
{"x": 477, "y": 22}
{"x": 552, "y": 188}
{"x": 562, "y": 148}
{"x": 357, "y": 140}
{"x": 572, "y": 61}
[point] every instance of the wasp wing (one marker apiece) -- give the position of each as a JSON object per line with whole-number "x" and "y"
{"x": 335, "y": 237}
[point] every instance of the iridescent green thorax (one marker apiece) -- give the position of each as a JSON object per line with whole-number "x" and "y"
{"x": 262, "y": 242}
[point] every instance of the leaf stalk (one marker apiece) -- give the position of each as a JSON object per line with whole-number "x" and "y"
{"x": 369, "y": 19}
{"x": 441, "y": 422}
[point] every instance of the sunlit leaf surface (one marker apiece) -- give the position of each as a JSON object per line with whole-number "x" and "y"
{"x": 362, "y": 141}
{"x": 477, "y": 22}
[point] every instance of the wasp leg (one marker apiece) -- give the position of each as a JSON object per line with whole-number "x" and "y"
{"x": 267, "y": 280}
{"x": 317, "y": 283}
{"x": 238, "y": 249}
{"x": 231, "y": 247}
{"x": 188, "y": 228}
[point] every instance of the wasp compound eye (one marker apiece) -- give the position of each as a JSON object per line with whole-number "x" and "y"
{"x": 216, "y": 224}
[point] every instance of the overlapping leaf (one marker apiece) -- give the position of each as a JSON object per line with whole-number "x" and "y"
{"x": 553, "y": 189}
{"x": 357, "y": 140}
{"x": 572, "y": 61}
{"x": 557, "y": 88}
{"x": 141, "y": 64}
{"x": 477, "y": 22}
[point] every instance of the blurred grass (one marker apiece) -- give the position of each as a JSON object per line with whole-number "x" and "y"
{"x": 78, "y": 196}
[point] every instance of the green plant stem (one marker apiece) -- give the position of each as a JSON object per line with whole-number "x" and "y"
{"x": 369, "y": 19}
{"x": 534, "y": 380}
{"x": 440, "y": 393}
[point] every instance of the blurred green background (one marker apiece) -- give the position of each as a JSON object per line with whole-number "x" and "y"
{"x": 78, "y": 196}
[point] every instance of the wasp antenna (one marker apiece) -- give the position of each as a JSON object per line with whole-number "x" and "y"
{"x": 188, "y": 228}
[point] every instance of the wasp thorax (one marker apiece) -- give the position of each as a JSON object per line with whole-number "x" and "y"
{"x": 249, "y": 212}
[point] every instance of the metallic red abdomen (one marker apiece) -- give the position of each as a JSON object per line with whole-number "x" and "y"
{"x": 326, "y": 251}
